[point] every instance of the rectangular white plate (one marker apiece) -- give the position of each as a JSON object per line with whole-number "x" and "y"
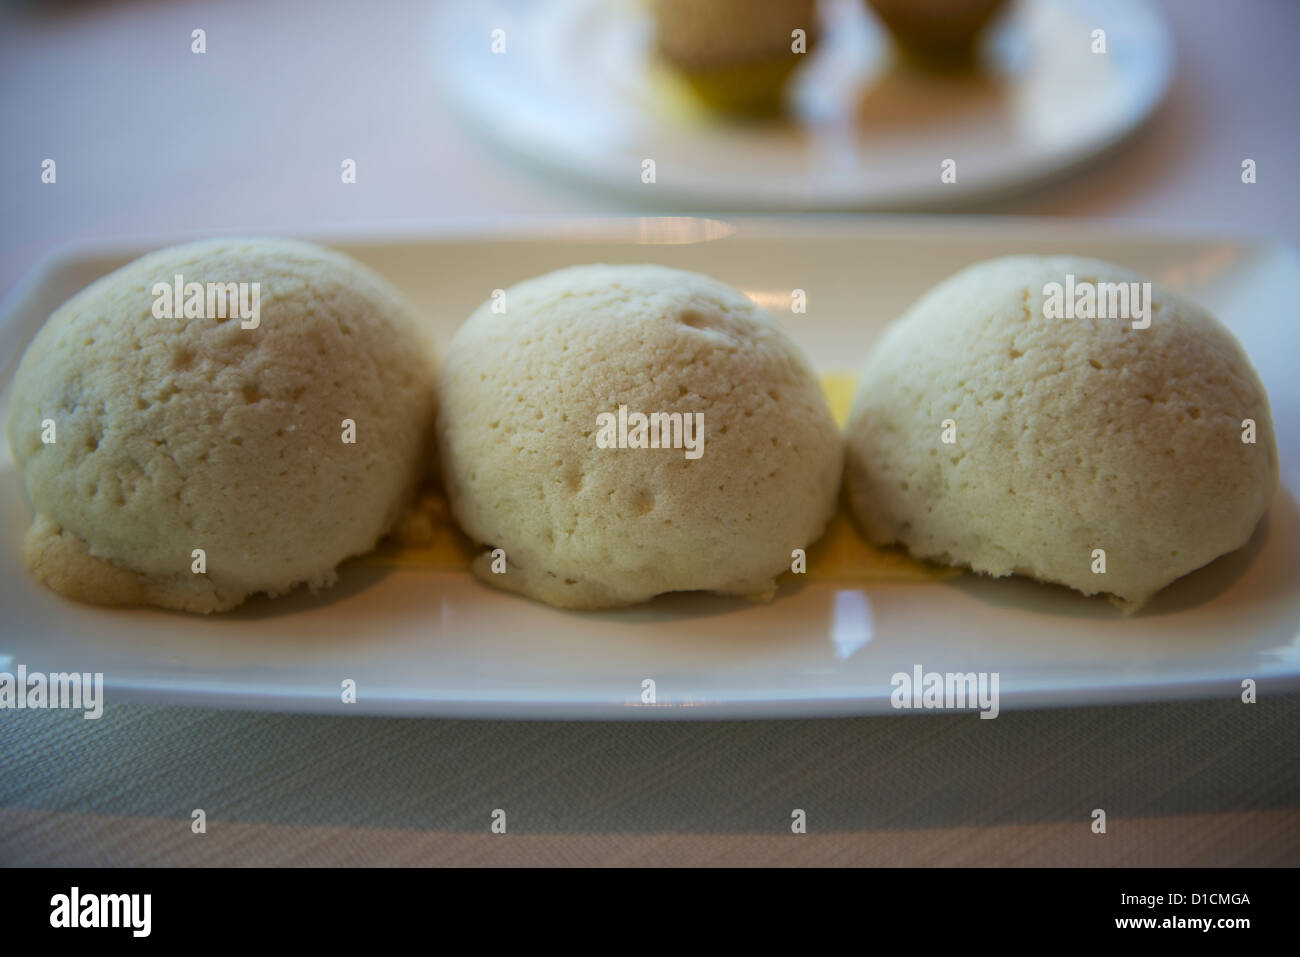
{"x": 429, "y": 643}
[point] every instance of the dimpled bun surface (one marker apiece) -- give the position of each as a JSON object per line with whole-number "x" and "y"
{"x": 196, "y": 433}
{"x": 583, "y": 526}
{"x": 1071, "y": 434}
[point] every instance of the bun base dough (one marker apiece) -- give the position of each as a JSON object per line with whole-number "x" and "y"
{"x": 63, "y": 563}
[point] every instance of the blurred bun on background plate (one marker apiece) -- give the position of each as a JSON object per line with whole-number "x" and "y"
{"x": 736, "y": 55}
{"x": 937, "y": 33}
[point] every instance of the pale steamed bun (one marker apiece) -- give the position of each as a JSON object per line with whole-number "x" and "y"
{"x": 1071, "y": 434}
{"x": 182, "y": 434}
{"x": 589, "y": 527}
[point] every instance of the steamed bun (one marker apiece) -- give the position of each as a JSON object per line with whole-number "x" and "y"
{"x": 173, "y": 435}
{"x": 1071, "y": 435}
{"x": 579, "y": 525}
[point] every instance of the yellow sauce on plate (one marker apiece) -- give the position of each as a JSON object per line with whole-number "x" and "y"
{"x": 427, "y": 537}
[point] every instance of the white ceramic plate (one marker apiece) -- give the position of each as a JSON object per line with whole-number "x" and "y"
{"x": 421, "y": 642}
{"x": 577, "y": 89}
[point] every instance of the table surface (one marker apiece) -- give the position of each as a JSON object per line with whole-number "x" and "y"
{"x": 152, "y": 140}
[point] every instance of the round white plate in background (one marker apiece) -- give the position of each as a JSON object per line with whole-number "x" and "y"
{"x": 579, "y": 89}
